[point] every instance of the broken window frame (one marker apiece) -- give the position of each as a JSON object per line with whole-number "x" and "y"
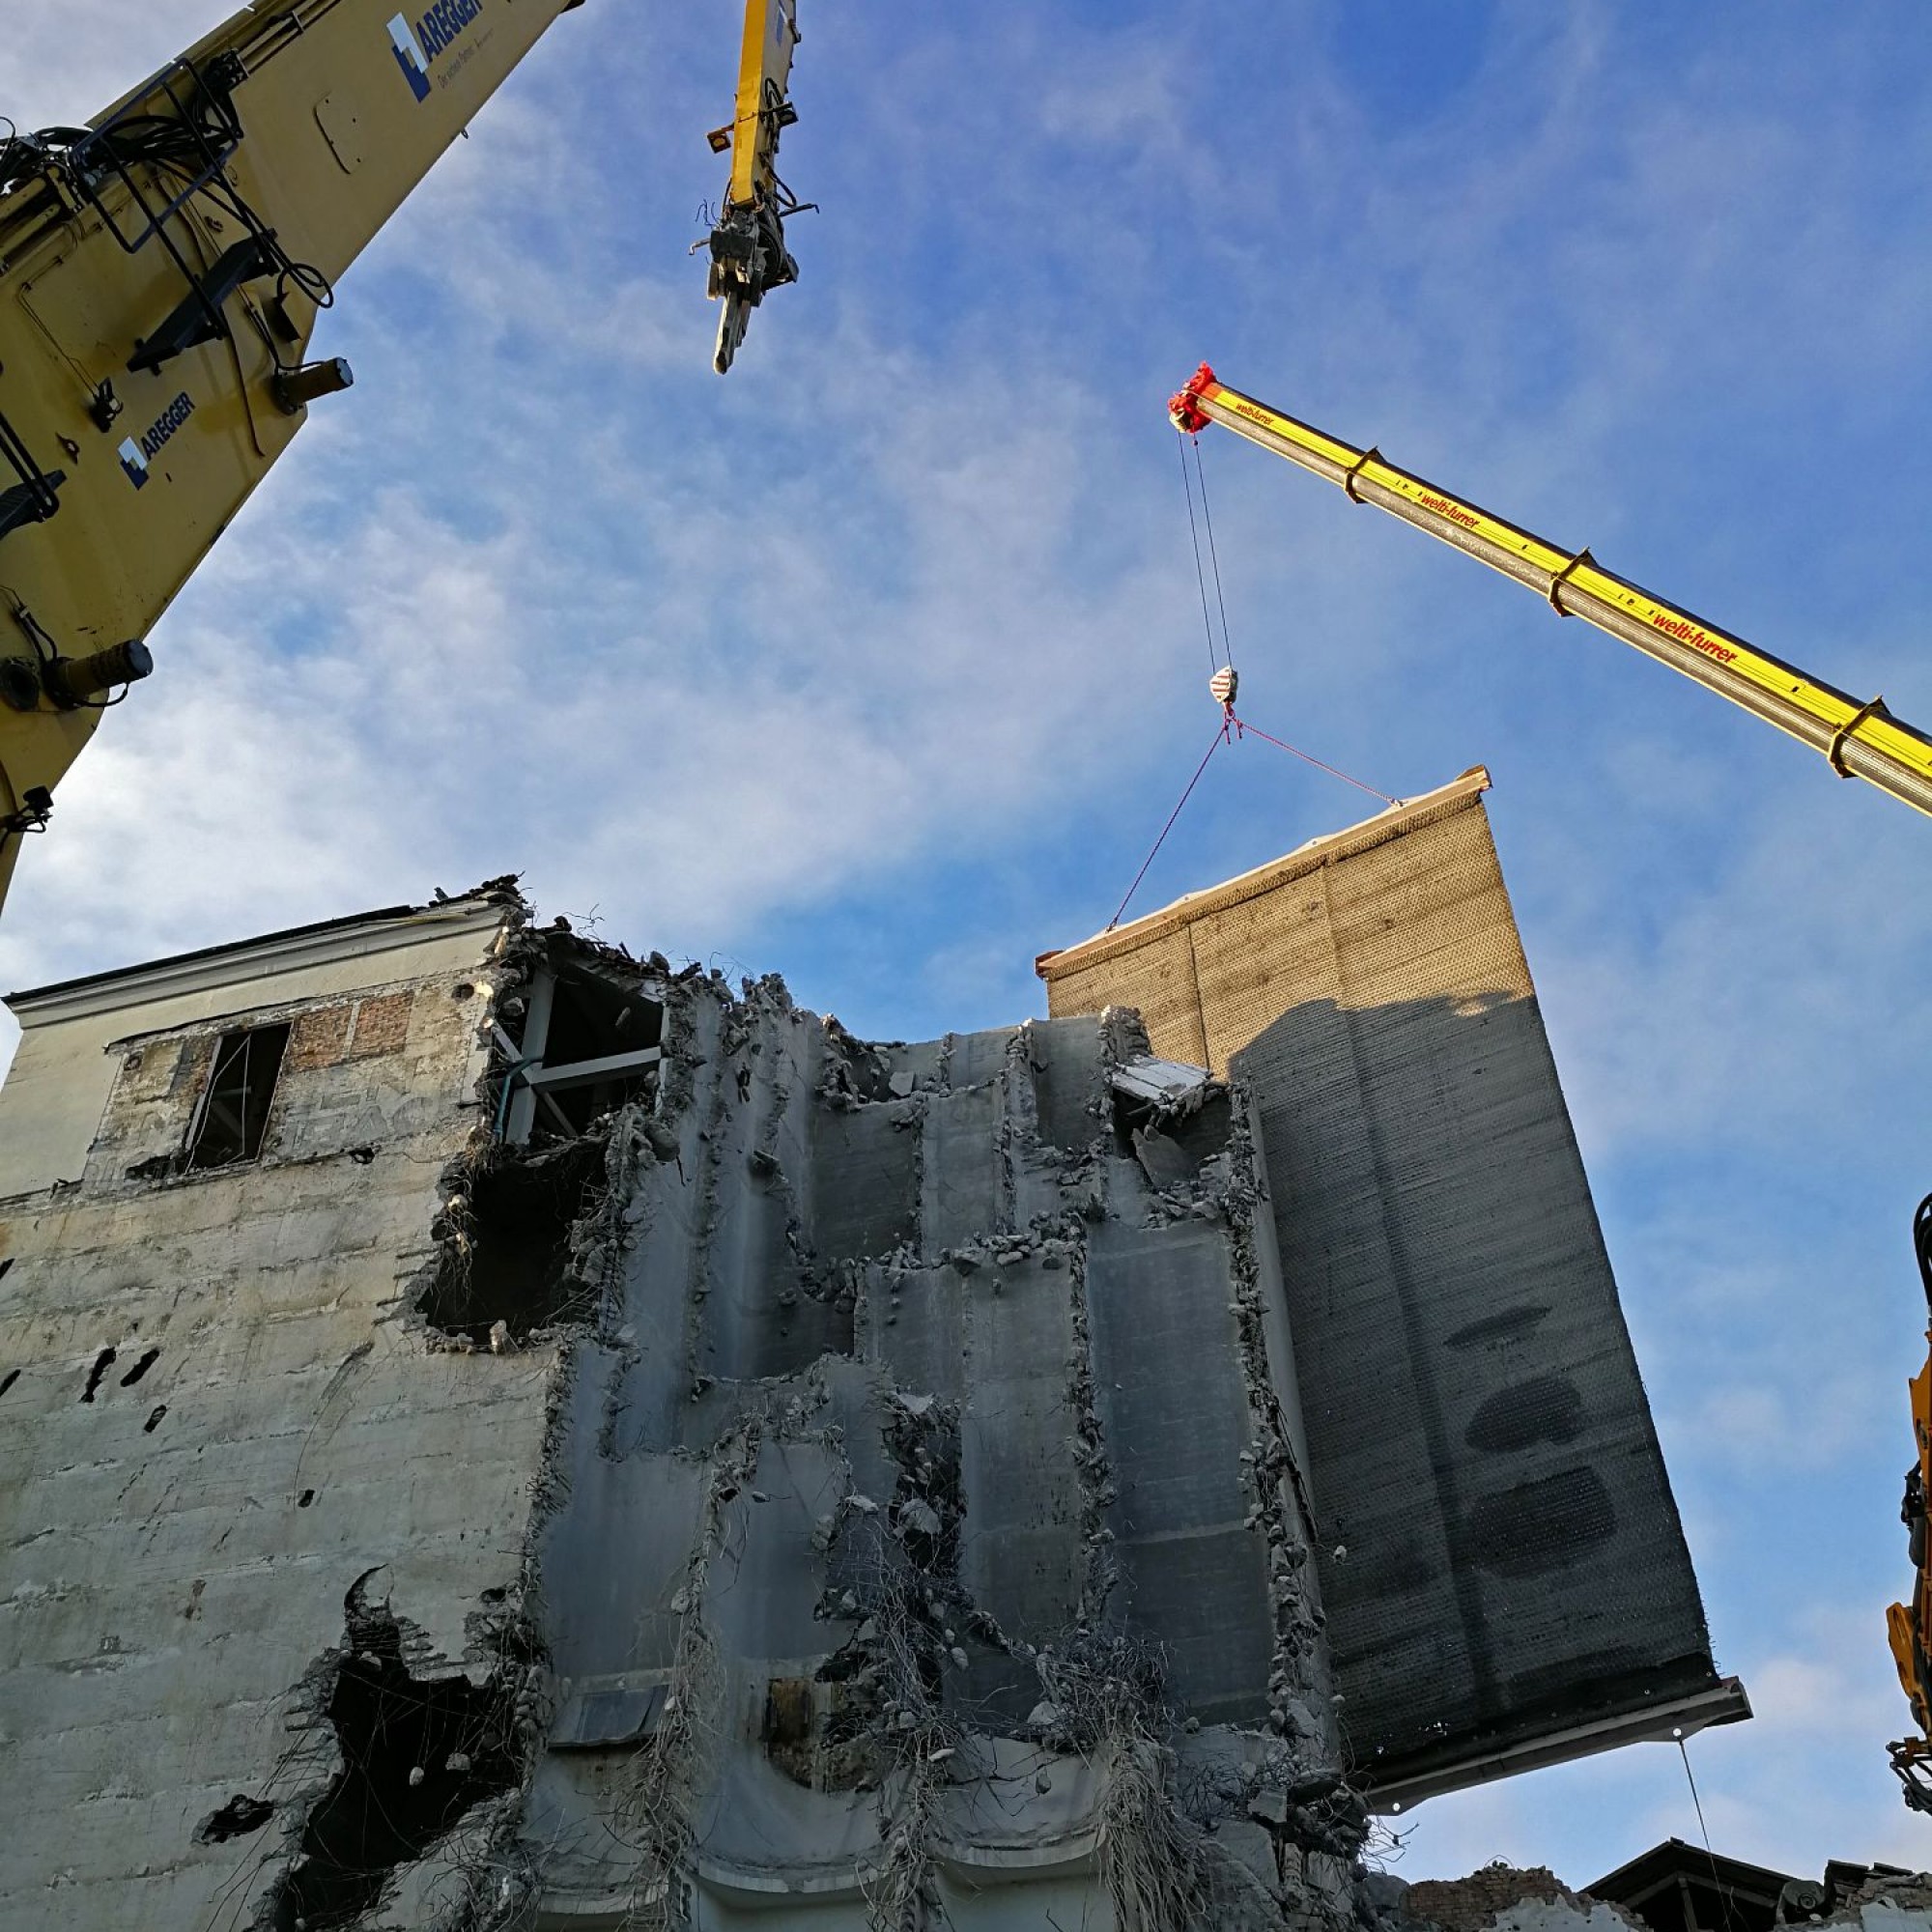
{"x": 532, "y": 1081}
{"x": 238, "y": 1042}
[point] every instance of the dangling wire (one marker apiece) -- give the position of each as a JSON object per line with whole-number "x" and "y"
{"x": 1243, "y": 729}
{"x": 1223, "y": 680}
{"x": 1200, "y": 574}
{"x": 1220, "y": 739}
{"x": 1207, "y": 518}
{"x": 1723, "y": 1890}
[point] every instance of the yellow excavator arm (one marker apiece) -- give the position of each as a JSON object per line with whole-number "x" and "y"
{"x": 1859, "y": 740}
{"x": 747, "y": 245}
{"x": 160, "y": 274}
{"x": 162, "y": 271}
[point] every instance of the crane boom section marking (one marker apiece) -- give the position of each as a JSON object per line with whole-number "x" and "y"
{"x": 1727, "y": 654}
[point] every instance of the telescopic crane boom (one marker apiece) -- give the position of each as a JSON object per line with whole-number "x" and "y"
{"x": 162, "y": 271}
{"x": 1859, "y": 740}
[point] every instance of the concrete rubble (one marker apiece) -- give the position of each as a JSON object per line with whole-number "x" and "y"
{"x": 607, "y": 1448}
{"x": 1503, "y": 1898}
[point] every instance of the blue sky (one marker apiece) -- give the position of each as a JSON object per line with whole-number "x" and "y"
{"x": 879, "y": 662}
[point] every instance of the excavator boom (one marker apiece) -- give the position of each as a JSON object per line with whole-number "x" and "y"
{"x": 1859, "y": 740}
{"x": 1909, "y": 1625}
{"x": 748, "y": 257}
{"x": 160, "y": 274}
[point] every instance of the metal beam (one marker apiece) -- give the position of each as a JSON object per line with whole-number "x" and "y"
{"x": 588, "y": 1073}
{"x": 536, "y": 1032}
{"x": 1664, "y": 1722}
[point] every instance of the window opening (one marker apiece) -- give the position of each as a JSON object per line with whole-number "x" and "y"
{"x": 589, "y": 1045}
{"x": 233, "y": 1113}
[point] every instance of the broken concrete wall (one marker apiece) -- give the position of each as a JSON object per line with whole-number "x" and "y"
{"x": 751, "y": 1474}
{"x": 260, "y": 1546}
{"x": 1501, "y": 1898}
{"x": 853, "y": 1481}
{"x": 976, "y": 1557}
{"x": 1502, "y": 1559}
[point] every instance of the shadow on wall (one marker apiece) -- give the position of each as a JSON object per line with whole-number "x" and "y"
{"x": 1501, "y": 1553}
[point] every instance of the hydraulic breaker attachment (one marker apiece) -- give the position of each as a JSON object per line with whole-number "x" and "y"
{"x": 748, "y": 257}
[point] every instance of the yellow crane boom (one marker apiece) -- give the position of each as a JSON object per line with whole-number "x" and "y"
{"x": 1859, "y": 739}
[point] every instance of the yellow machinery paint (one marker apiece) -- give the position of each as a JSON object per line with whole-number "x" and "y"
{"x": 160, "y": 273}
{"x": 748, "y": 257}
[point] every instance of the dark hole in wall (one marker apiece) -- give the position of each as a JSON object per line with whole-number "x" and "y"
{"x": 592, "y": 1018}
{"x": 102, "y": 1362}
{"x": 1205, "y": 1131}
{"x": 141, "y": 1368}
{"x": 8, "y": 1380}
{"x": 154, "y": 1421}
{"x": 375, "y": 1815}
{"x": 241, "y": 1815}
{"x": 513, "y": 1262}
{"x": 233, "y": 1117}
{"x": 1172, "y": 1145}
{"x": 5, "y": 1264}
{"x": 1200, "y": 1132}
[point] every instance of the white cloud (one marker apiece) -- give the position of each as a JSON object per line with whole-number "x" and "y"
{"x": 70, "y": 59}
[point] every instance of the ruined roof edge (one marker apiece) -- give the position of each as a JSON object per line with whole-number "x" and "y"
{"x": 361, "y": 933}
{"x": 1316, "y": 852}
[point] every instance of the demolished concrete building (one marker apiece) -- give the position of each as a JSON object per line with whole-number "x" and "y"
{"x": 507, "y": 1434}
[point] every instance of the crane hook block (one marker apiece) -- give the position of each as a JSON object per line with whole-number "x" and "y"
{"x": 1224, "y": 684}
{"x": 1185, "y": 407}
